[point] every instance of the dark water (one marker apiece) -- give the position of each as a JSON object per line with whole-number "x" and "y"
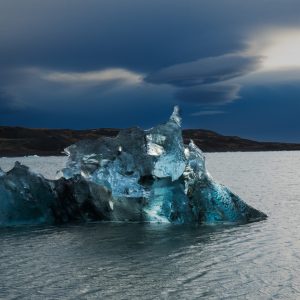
{"x": 156, "y": 261}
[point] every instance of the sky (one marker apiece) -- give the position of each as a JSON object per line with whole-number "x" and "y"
{"x": 232, "y": 66}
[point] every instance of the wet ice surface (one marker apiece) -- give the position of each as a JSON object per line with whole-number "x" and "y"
{"x": 137, "y": 176}
{"x": 139, "y": 261}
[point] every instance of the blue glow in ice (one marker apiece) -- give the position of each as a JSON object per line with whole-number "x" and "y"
{"x": 138, "y": 176}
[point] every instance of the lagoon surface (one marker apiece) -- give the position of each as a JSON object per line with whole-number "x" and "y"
{"x": 158, "y": 261}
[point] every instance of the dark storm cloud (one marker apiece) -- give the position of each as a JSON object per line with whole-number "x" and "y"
{"x": 85, "y": 35}
{"x": 182, "y": 43}
{"x": 201, "y": 78}
{"x": 205, "y": 70}
{"x": 8, "y": 103}
{"x": 139, "y": 35}
{"x": 210, "y": 94}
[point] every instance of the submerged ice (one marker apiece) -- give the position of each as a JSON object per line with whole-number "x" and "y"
{"x": 138, "y": 176}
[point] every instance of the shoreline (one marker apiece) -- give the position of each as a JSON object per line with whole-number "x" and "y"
{"x": 19, "y": 141}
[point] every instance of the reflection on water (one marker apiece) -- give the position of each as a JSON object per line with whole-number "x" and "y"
{"x": 151, "y": 261}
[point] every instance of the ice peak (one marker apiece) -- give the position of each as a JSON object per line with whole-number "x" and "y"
{"x": 175, "y": 117}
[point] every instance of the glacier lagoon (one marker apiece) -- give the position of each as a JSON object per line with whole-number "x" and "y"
{"x": 162, "y": 261}
{"x": 138, "y": 176}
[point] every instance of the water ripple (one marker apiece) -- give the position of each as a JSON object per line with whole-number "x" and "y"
{"x": 134, "y": 261}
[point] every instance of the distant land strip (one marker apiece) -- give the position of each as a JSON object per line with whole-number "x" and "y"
{"x": 19, "y": 141}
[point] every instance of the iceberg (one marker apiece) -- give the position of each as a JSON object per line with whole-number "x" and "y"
{"x": 137, "y": 176}
{"x": 29, "y": 198}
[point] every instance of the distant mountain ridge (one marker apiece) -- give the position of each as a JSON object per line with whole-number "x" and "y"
{"x": 19, "y": 141}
